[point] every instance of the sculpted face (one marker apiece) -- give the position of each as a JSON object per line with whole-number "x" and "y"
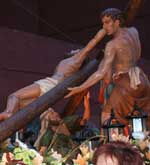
{"x": 53, "y": 116}
{"x": 106, "y": 160}
{"x": 110, "y": 25}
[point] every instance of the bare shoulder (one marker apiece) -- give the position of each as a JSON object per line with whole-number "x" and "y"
{"x": 111, "y": 44}
{"x": 133, "y": 30}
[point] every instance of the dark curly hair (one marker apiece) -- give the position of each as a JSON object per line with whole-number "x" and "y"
{"x": 126, "y": 154}
{"x": 115, "y": 14}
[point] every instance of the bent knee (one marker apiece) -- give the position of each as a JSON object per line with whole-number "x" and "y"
{"x": 13, "y": 96}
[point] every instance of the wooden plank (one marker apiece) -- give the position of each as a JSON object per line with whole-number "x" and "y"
{"x": 33, "y": 110}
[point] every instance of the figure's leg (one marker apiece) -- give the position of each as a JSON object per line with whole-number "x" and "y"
{"x": 30, "y": 92}
{"x": 104, "y": 116}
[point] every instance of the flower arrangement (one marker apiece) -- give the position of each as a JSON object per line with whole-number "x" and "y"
{"x": 143, "y": 145}
{"x": 83, "y": 155}
{"x": 22, "y": 156}
{"x": 144, "y": 148}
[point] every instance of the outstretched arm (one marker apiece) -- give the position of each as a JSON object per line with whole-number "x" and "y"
{"x": 104, "y": 67}
{"x": 92, "y": 43}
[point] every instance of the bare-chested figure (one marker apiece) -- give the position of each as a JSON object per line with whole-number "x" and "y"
{"x": 65, "y": 68}
{"x": 119, "y": 66}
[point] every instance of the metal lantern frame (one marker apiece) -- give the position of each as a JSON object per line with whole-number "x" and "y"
{"x": 85, "y": 134}
{"x": 137, "y": 122}
{"x": 112, "y": 124}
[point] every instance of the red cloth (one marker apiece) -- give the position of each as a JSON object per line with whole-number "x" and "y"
{"x": 126, "y": 130}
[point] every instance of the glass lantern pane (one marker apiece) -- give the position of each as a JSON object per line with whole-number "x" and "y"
{"x": 113, "y": 133}
{"x": 137, "y": 125}
{"x": 144, "y": 125}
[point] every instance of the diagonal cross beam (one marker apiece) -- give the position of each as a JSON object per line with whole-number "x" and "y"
{"x": 26, "y": 115}
{"x": 33, "y": 110}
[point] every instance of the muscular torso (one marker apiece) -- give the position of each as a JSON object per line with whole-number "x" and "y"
{"x": 70, "y": 65}
{"x": 127, "y": 51}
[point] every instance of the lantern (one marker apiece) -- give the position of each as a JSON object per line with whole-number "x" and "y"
{"x": 112, "y": 127}
{"x": 137, "y": 122}
{"x": 88, "y": 133}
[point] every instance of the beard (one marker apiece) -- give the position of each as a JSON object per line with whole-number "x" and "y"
{"x": 54, "y": 122}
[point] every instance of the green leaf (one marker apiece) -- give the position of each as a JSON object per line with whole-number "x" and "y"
{"x": 27, "y": 160}
{"x": 49, "y": 159}
{"x": 31, "y": 154}
{"x": 18, "y": 156}
{"x": 56, "y": 163}
{"x": 25, "y": 154}
{"x": 16, "y": 150}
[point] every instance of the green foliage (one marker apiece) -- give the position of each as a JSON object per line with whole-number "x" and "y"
{"x": 25, "y": 155}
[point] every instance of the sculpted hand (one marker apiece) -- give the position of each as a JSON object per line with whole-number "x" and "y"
{"x": 5, "y": 115}
{"x": 73, "y": 91}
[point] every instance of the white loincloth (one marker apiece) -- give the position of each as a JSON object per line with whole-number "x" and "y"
{"x": 46, "y": 84}
{"x": 134, "y": 75}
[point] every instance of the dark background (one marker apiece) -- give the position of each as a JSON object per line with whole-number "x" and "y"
{"x": 35, "y": 35}
{"x": 67, "y": 20}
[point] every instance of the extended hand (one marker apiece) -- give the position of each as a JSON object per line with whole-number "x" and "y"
{"x": 5, "y": 115}
{"x": 74, "y": 91}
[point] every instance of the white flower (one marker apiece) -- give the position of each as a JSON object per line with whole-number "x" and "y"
{"x": 56, "y": 155}
{"x": 38, "y": 160}
{"x": 120, "y": 137}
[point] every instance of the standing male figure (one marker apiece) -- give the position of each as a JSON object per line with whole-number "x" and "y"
{"x": 119, "y": 66}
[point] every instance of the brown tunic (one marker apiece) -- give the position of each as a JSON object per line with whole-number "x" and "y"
{"x": 123, "y": 97}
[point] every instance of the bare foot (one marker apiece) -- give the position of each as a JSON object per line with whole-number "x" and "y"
{"x": 5, "y": 115}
